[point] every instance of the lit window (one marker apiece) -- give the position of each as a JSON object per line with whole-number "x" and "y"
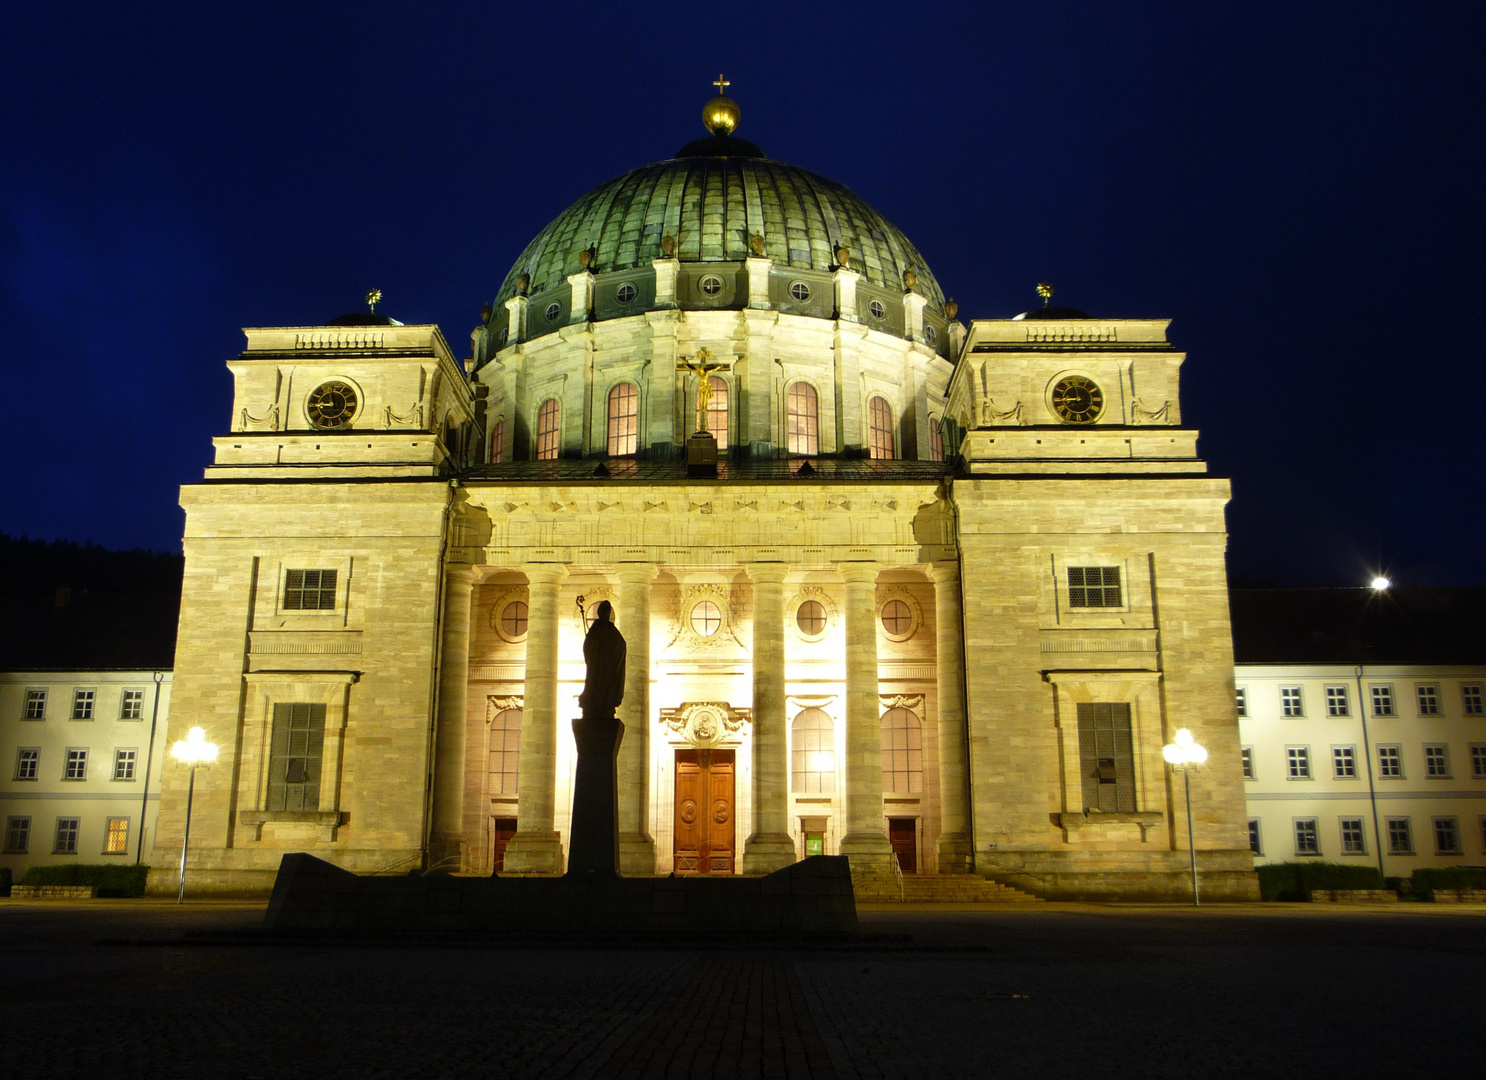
{"x": 27, "y": 763}
{"x": 1472, "y": 699}
{"x": 706, "y": 618}
{"x": 1246, "y": 759}
{"x": 1344, "y": 762}
{"x": 710, "y": 285}
{"x": 1400, "y": 836}
{"x": 936, "y": 440}
{"x": 82, "y": 704}
{"x": 1429, "y": 699}
{"x": 1298, "y": 762}
{"x": 131, "y": 705}
{"x": 17, "y": 835}
{"x": 897, "y": 618}
{"x": 799, "y": 290}
{"x": 626, "y": 293}
{"x": 1094, "y": 586}
{"x": 77, "y": 765}
{"x": 513, "y": 619}
{"x": 548, "y": 430}
{"x": 294, "y": 756}
{"x": 309, "y": 590}
{"x": 814, "y": 753}
{"x": 1478, "y": 760}
{"x": 1306, "y": 840}
{"x": 902, "y": 752}
{"x": 810, "y": 617}
{"x": 1336, "y": 701}
{"x": 717, "y": 410}
{"x": 66, "y": 840}
{"x": 498, "y": 442}
{"x": 1390, "y": 762}
{"x": 880, "y": 428}
{"x": 116, "y": 836}
{"x": 36, "y": 705}
{"x": 1447, "y": 836}
{"x": 124, "y": 764}
{"x": 505, "y": 752}
{"x": 1291, "y": 702}
{"x": 1354, "y": 840}
{"x": 1382, "y": 701}
{"x": 1254, "y": 842}
{"x": 802, "y": 418}
{"x": 876, "y": 309}
{"x": 1436, "y": 761}
{"x": 1241, "y": 701}
{"x": 624, "y": 419}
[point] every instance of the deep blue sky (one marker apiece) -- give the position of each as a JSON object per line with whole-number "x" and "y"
{"x": 1299, "y": 186}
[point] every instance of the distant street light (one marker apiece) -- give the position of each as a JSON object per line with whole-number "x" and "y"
{"x": 193, "y": 750}
{"x": 1182, "y": 756}
{"x": 1381, "y": 584}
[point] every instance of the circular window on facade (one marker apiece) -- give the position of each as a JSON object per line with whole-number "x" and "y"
{"x": 513, "y": 619}
{"x": 553, "y": 311}
{"x": 799, "y": 290}
{"x": 711, "y": 285}
{"x": 810, "y": 617}
{"x": 930, "y": 334}
{"x": 897, "y": 619}
{"x": 877, "y": 310}
{"x": 626, "y": 293}
{"x": 331, "y": 405}
{"x": 706, "y": 618}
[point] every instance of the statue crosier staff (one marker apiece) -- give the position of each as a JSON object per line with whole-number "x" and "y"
{"x": 702, "y": 366}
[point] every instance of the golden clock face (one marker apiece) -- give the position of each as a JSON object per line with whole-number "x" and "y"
{"x": 332, "y": 405}
{"x": 1078, "y": 400}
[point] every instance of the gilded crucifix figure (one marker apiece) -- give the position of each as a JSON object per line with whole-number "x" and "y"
{"x": 702, "y": 366}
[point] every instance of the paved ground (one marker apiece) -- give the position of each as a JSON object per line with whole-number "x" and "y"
{"x": 1059, "y": 991}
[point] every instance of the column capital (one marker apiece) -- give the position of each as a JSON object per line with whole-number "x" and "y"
{"x": 459, "y": 573}
{"x": 636, "y": 573}
{"x": 771, "y": 573}
{"x": 944, "y": 572}
{"x": 859, "y": 573}
{"x": 545, "y": 573}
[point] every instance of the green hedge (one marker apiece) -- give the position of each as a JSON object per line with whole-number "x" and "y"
{"x": 1296, "y": 880}
{"x": 4, "y": 881}
{"x": 1426, "y": 881}
{"x": 111, "y": 880}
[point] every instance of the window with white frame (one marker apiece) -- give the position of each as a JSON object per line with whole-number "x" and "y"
{"x": 624, "y": 420}
{"x": 1400, "y": 836}
{"x": 1447, "y": 836}
{"x": 1292, "y": 703}
{"x": 116, "y": 836}
{"x": 880, "y": 442}
{"x": 1344, "y": 762}
{"x": 309, "y": 590}
{"x": 131, "y": 704}
{"x": 1382, "y": 700}
{"x": 76, "y": 767}
{"x": 1298, "y": 762}
{"x": 1246, "y": 759}
{"x": 35, "y": 705}
{"x": 82, "y": 704}
{"x": 27, "y": 763}
{"x": 1472, "y": 700}
{"x": 65, "y": 842}
{"x": 549, "y": 430}
{"x": 802, "y": 419}
{"x": 1354, "y": 838}
{"x": 1390, "y": 762}
{"x": 1478, "y": 760}
{"x": 1094, "y": 587}
{"x": 1336, "y": 701}
{"x": 18, "y": 835}
{"x": 1241, "y": 701}
{"x": 1307, "y": 840}
{"x": 1256, "y": 845}
{"x": 1436, "y": 761}
{"x": 814, "y": 753}
{"x": 124, "y": 763}
{"x": 1428, "y": 697}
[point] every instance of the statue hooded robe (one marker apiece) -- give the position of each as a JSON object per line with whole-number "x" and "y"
{"x": 603, "y": 653}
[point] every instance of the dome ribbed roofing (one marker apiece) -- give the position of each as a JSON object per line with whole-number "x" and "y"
{"x": 712, "y": 205}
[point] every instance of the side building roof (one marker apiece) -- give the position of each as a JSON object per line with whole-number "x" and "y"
{"x": 1359, "y": 626}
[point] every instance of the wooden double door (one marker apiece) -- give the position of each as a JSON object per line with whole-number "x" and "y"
{"x": 706, "y": 836}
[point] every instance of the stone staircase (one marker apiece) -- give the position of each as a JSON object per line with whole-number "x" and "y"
{"x": 878, "y": 888}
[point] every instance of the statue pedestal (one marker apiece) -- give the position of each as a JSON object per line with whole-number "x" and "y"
{"x": 593, "y": 847}
{"x": 701, "y": 455}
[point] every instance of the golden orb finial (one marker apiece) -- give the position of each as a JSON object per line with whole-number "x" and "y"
{"x": 1045, "y": 291}
{"x": 721, "y": 113}
{"x": 373, "y": 298}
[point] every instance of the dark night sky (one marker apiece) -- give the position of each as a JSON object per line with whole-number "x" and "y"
{"x": 1299, "y": 186}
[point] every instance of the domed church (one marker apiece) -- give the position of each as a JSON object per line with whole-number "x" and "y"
{"x": 929, "y": 594}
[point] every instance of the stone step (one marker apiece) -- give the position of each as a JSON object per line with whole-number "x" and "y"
{"x": 935, "y": 889}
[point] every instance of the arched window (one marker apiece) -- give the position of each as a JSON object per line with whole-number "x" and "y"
{"x": 802, "y": 419}
{"x": 717, "y": 411}
{"x": 814, "y": 739}
{"x": 880, "y": 428}
{"x": 505, "y": 752}
{"x": 624, "y": 419}
{"x": 936, "y": 440}
{"x": 549, "y": 430}
{"x": 902, "y": 752}
{"x": 498, "y": 442}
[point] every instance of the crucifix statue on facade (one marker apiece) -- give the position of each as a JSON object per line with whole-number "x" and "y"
{"x": 702, "y": 366}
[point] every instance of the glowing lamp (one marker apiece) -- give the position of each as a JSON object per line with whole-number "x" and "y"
{"x": 1380, "y": 584}
{"x": 1182, "y": 755}
{"x": 191, "y": 751}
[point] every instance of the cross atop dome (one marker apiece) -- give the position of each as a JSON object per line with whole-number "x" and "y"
{"x": 721, "y": 113}
{"x": 721, "y": 84}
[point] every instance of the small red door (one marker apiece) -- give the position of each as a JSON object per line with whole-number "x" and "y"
{"x": 705, "y": 834}
{"x": 501, "y": 831}
{"x": 902, "y": 832}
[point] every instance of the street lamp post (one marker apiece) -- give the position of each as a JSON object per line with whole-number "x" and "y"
{"x": 1182, "y": 755}
{"x": 193, "y": 750}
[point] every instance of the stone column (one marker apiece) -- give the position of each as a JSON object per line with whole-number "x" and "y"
{"x": 770, "y": 846}
{"x": 636, "y": 845}
{"x": 954, "y": 827}
{"x": 535, "y": 849}
{"x": 446, "y": 841}
{"x": 865, "y": 839}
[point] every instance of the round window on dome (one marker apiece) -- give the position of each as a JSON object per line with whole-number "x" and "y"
{"x": 930, "y": 334}
{"x": 706, "y": 618}
{"x": 553, "y": 311}
{"x": 799, "y": 290}
{"x": 626, "y": 293}
{"x": 711, "y": 285}
{"x": 810, "y": 617}
{"x": 877, "y": 310}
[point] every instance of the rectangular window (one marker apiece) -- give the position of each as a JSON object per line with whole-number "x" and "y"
{"x": 1298, "y": 761}
{"x": 1354, "y": 839}
{"x": 309, "y": 590}
{"x": 1094, "y": 586}
{"x": 1241, "y": 699}
{"x": 17, "y": 835}
{"x": 131, "y": 705}
{"x": 82, "y": 704}
{"x": 1246, "y": 757}
{"x": 1471, "y": 699}
{"x": 1400, "y": 836}
{"x": 77, "y": 765}
{"x": 1436, "y": 761}
{"x": 1255, "y": 846}
{"x": 1382, "y": 701}
{"x": 124, "y": 764}
{"x": 1446, "y": 836}
{"x": 66, "y": 844}
{"x": 1390, "y": 762}
{"x": 1429, "y": 699}
{"x": 1336, "y": 701}
{"x": 27, "y": 763}
{"x": 36, "y": 706}
{"x": 1478, "y": 760}
{"x": 294, "y": 758}
{"x": 1344, "y": 762}
{"x": 1291, "y": 702}
{"x": 1105, "y": 757}
{"x": 1306, "y": 840}
{"x": 116, "y": 838}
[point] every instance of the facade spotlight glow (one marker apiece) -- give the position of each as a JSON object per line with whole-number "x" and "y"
{"x": 1183, "y": 755}
{"x": 192, "y": 751}
{"x": 1380, "y": 583}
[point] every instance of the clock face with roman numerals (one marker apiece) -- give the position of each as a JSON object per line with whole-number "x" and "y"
{"x": 1078, "y": 400}
{"x": 332, "y": 405}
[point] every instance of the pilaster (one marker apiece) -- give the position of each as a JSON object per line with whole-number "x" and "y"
{"x": 446, "y": 843}
{"x": 636, "y": 845}
{"x": 865, "y": 839}
{"x": 759, "y": 270}
{"x": 846, "y": 294}
{"x": 770, "y": 846}
{"x": 913, "y": 315}
{"x": 536, "y": 848}
{"x": 665, "y": 282}
{"x": 954, "y": 848}
{"x": 516, "y": 321}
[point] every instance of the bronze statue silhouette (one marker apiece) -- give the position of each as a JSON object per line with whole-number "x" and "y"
{"x": 593, "y": 849}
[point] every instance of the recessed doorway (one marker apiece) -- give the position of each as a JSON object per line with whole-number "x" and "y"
{"x": 501, "y": 831}
{"x": 902, "y": 832}
{"x": 705, "y": 829}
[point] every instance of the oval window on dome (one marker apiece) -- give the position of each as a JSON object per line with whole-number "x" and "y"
{"x": 711, "y": 285}
{"x": 811, "y": 618}
{"x": 706, "y": 618}
{"x": 553, "y": 311}
{"x": 930, "y": 334}
{"x": 877, "y": 310}
{"x": 626, "y": 293}
{"x": 799, "y": 290}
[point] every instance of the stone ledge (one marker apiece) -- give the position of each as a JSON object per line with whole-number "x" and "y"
{"x": 1353, "y": 896}
{"x": 53, "y": 892}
